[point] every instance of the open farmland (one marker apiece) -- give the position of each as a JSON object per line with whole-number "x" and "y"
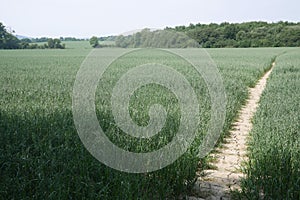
{"x": 41, "y": 155}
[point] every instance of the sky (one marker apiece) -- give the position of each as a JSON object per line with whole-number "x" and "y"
{"x": 86, "y": 18}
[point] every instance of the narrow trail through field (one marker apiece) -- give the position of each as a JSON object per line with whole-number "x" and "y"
{"x": 216, "y": 184}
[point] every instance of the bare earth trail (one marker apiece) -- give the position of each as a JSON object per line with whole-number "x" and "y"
{"x": 216, "y": 184}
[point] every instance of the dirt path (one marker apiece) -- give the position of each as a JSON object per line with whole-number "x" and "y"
{"x": 216, "y": 184}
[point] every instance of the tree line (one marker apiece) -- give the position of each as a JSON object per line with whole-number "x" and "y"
{"x": 239, "y": 35}
{"x": 248, "y": 34}
{"x": 45, "y": 39}
{"x": 156, "y": 39}
{"x": 49, "y": 44}
{"x": 9, "y": 41}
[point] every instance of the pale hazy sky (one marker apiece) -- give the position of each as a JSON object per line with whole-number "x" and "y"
{"x": 85, "y": 18}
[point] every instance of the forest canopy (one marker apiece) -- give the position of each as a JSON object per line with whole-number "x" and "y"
{"x": 248, "y": 34}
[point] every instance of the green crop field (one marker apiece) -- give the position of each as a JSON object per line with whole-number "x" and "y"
{"x": 274, "y": 167}
{"x": 42, "y": 157}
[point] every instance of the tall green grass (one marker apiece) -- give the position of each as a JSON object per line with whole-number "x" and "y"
{"x": 274, "y": 166}
{"x": 41, "y": 155}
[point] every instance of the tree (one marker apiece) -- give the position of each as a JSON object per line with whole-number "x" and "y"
{"x": 50, "y": 43}
{"x": 2, "y": 35}
{"x": 7, "y": 40}
{"x": 137, "y": 39}
{"x": 230, "y": 31}
{"x": 94, "y": 42}
{"x": 55, "y": 44}
{"x": 122, "y": 41}
{"x": 58, "y": 45}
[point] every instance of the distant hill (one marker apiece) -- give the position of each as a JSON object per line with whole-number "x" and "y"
{"x": 20, "y": 37}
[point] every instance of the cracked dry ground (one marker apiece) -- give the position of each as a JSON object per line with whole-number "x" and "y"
{"x": 216, "y": 184}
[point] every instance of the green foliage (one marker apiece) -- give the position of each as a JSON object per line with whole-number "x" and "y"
{"x": 54, "y": 44}
{"x": 71, "y": 39}
{"x": 26, "y": 40}
{"x": 7, "y": 40}
{"x": 248, "y": 34}
{"x": 42, "y": 39}
{"x": 156, "y": 39}
{"x": 41, "y": 155}
{"x": 94, "y": 42}
{"x": 108, "y": 38}
{"x": 273, "y": 170}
